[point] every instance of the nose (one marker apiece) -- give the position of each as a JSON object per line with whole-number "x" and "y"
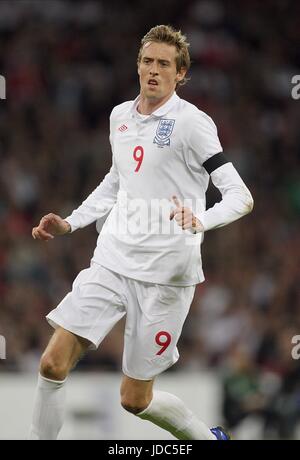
{"x": 154, "y": 69}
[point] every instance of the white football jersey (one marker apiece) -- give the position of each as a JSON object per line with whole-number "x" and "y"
{"x": 155, "y": 157}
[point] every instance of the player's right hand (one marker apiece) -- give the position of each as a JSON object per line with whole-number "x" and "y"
{"x": 50, "y": 226}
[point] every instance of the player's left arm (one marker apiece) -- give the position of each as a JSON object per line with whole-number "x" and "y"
{"x": 236, "y": 199}
{"x": 205, "y": 150}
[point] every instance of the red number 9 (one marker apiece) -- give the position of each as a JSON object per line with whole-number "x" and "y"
{"x": 138, "y": 158}
{"x": 165, "y": 343}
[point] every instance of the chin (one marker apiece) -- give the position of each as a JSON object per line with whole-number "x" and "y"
{"x": 151, "y": 95}
{"x": 154, "y": 92}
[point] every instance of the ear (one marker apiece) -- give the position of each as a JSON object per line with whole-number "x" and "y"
{"x": 180, "y": 74}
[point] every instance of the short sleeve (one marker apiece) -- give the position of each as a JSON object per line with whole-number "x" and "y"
{"x": 203, "y": 141}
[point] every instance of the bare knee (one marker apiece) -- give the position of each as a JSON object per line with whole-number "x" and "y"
{"x": 135, "y": 406}
{"x": 62, "y": 353}
{"x": 52, "y": 368}
{"x": 136, "y": 395}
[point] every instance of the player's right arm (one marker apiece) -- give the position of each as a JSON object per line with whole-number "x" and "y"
{"x": 98, "y": 204}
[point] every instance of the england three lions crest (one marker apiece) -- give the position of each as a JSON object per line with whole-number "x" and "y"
{"x": 163, "y": 132}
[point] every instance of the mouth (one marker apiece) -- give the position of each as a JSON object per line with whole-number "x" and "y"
{"x": 152, "y": 82}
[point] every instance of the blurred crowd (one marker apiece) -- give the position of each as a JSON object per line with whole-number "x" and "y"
{"x": 66, "y": 64}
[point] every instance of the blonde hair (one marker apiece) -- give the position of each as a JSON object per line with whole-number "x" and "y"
{"x": 167, "y": 34}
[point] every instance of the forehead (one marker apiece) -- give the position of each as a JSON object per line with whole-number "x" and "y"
{"x": 159, "y": 51}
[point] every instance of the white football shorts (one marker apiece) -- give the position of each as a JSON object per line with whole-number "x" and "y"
{"x": 155, "y": 314}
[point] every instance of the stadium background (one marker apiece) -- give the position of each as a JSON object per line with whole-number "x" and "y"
{"x": 66, "y": 64}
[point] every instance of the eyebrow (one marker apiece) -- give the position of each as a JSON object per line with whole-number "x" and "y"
{"x": 161, "y": 61}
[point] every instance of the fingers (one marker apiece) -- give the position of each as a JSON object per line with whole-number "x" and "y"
{"x": 53, "y": 218}
{"x": 38, "y": 233}
{"x": 180, "y": 213}
{"x": 179, "y": 217}
{"x": 46, "y": 219}
{"x": 183, "y": 216}
{"x": 45, "y": 223}
{"x": 185, "y": 220}
{"x": 177, "y": 203}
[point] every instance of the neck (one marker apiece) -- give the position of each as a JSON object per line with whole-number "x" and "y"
{"x": 149, "y": 105}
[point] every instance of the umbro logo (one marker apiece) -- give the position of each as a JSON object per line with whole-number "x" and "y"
{"x": 122, "y": 128}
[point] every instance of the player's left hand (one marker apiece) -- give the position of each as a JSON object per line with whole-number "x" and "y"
{"x": 185, "y": 217}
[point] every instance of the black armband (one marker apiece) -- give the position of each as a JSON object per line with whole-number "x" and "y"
{"x": 215, "y": 162}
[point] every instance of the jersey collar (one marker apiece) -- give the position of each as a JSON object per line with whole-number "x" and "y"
{"x": 161, "y": 111}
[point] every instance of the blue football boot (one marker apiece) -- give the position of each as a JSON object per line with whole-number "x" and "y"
{"x": 220, "y": 433}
